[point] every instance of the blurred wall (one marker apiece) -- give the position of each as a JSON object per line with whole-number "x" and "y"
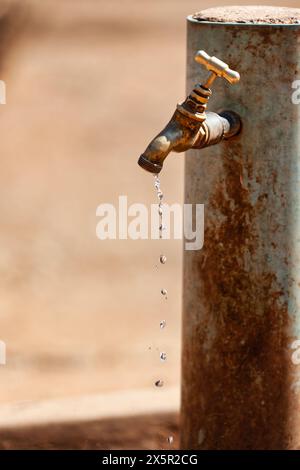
{"x": 88, "y": 85}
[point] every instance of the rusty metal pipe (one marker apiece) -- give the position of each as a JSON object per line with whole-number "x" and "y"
{"x": 241, "y": 295}
{"x": 181, "y": 134}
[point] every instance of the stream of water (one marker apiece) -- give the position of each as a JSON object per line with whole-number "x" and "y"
{"x": 162, "y": 259}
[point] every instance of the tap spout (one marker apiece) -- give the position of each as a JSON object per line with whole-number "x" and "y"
{"x": 179, "y": 135}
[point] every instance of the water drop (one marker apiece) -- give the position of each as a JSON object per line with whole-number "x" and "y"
{"x": 163, "y": 356}
{"x": 164, "y": 292}
{"x": 170, "y": 439}
{"x": 163, "y": 259}
{"x": 162, "y": 324}
{"x": 159, "y": 383}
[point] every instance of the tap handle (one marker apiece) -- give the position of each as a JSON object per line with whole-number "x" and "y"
{"x": 217, "y": 68}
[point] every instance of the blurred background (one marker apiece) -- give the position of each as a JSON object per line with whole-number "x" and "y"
{"x": 88, "y": 85}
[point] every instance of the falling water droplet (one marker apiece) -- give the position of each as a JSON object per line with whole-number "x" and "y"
{"x": 163, "y": 259}
{"x": 157, "y": 187}
{"x": 163, "y": 356}
{"x": 170, "y": 439}
{"x": 159, "y": 383}
{"x": 160, "y": 194}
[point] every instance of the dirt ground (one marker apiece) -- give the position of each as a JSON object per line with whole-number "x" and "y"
{"x": 88, "y": 85}
{"x": 109, "y": 434}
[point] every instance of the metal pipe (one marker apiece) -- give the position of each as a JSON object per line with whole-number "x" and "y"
{"x": 241, "y": 295}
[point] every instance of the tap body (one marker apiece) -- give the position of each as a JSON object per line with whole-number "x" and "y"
{"x": 180, "y": 134}
{"x": 190, "y": 126}
{"x": 183, "y": 133}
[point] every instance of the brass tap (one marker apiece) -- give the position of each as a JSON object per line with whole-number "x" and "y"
{"x": 190, "y": 126}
